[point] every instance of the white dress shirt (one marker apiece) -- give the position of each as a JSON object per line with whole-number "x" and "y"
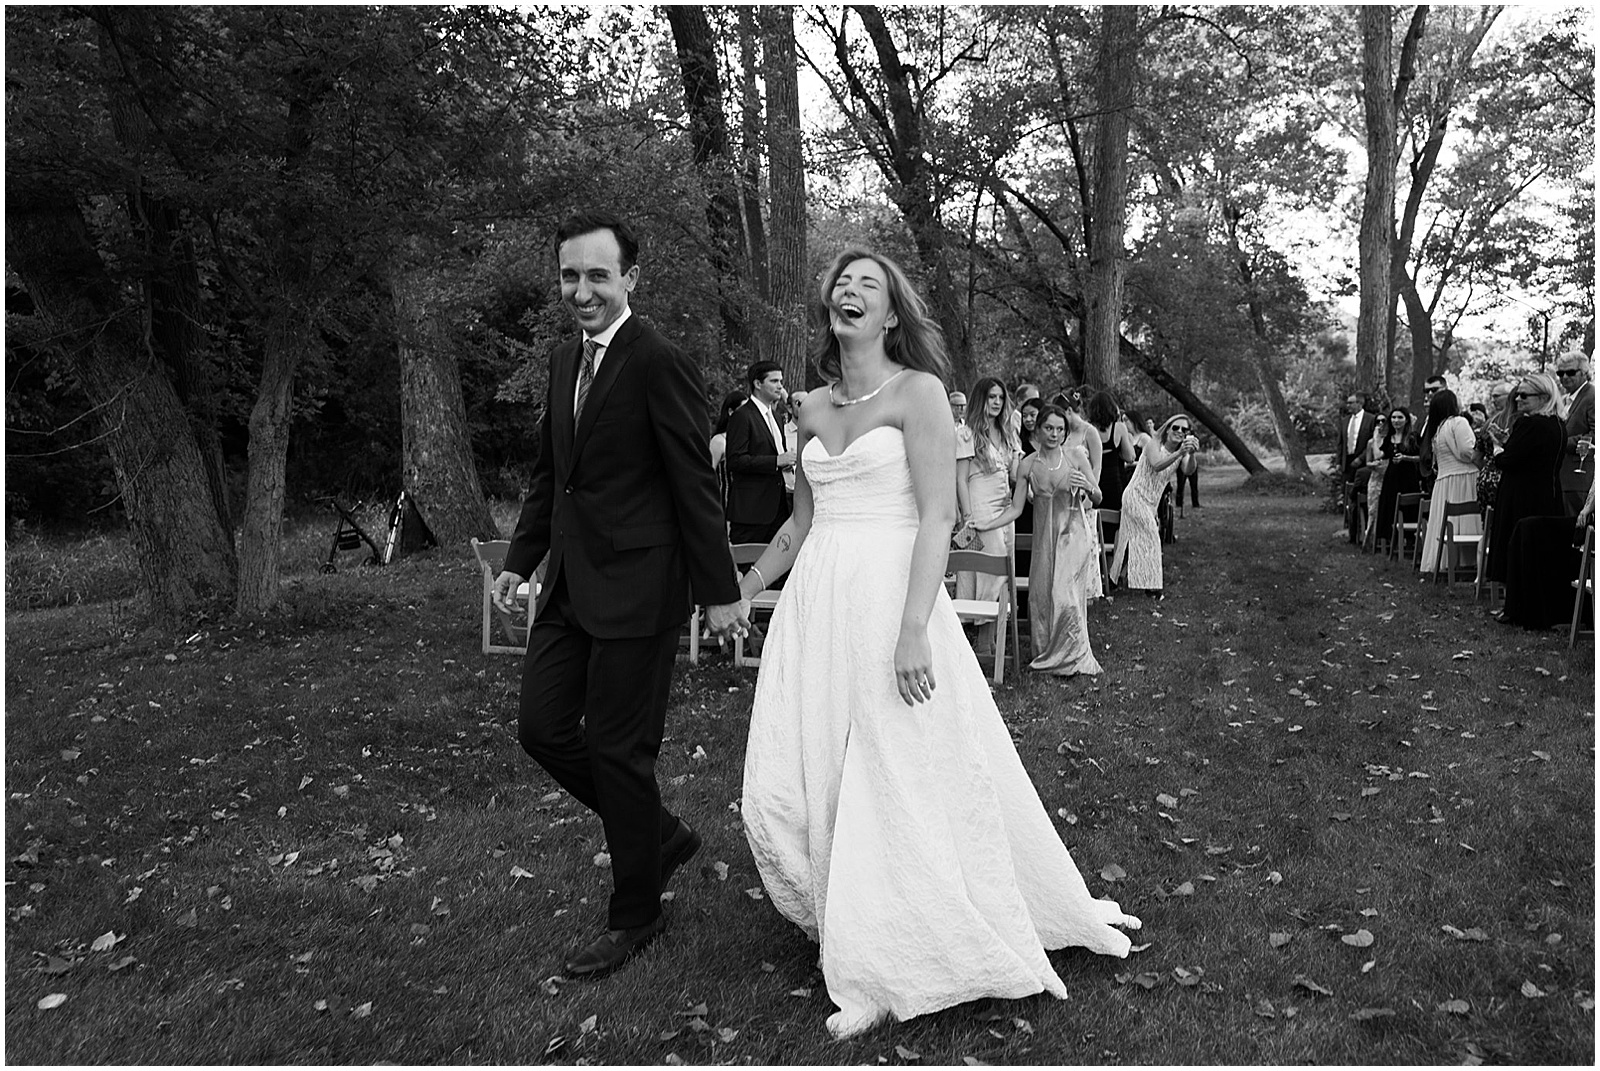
{"x": 772, "y": 424}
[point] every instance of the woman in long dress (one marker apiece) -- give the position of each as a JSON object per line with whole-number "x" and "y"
{"x": 1139, "y": 538}
{"x": 885, "y": 805}
{"x": 1066, "y": 549}
{"x": 1529, "y": 466}
{"x": 1455, "y": 464}
{"x": 984, "y": 466}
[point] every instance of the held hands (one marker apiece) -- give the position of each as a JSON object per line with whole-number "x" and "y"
{"x": 913, "y": 666}
{"x": 505, "y": 591}
{"x": 729, "y": 619}
{"x": 786, "y": 459}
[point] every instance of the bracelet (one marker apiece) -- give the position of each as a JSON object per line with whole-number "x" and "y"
{"x": 760, "y": 577}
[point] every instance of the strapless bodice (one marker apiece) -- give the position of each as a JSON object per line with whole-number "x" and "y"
{"x": 866, "y": 483}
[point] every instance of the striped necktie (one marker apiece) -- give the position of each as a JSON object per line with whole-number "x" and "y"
{"x": 585, "y": 377}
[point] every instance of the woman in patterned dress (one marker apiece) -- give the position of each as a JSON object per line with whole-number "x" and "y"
{"x": 1139, "y": 539}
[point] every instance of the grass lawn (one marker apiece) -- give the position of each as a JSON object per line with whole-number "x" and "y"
{"x": 1355, "y": 815}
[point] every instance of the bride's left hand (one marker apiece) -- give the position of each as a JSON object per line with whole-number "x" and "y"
{"x": 913, "y": 666}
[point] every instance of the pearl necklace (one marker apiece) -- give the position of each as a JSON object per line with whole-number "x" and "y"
{"x": 834, "y": 387}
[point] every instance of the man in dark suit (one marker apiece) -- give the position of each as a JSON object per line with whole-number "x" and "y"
{"x": 1354, "y": 434}
{"x": 1572, "y": 372}
{"x": 624, "y": 501}
{"x": 758, "y": 454}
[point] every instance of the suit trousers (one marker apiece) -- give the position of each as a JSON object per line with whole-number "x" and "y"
{"x": 592, "y": 713}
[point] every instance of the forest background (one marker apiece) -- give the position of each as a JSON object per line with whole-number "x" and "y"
{"x": 255, "y": 256}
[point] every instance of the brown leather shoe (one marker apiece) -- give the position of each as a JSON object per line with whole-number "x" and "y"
{"x": 612, "y": 949}
{"x": 677, "y": 850}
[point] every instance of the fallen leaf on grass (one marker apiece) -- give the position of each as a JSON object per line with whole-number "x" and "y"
{"x": 68, "y": 754}
{"x": 673, "y": 1060}
{"x": 802, "y": 992}
{"x": 1544, "y": 755}
{"x": 54, "y": 1000}
{"x": 1185, "y": 977}
{"x": 726, "y": 1035}
{"x": 1112, "y": 872}
{"x": 755, "y": 893}
{"x": 907, "y": 1054}
{"x": 698, "y": 1011}
{"x": 125, "y": 961}
{"x": 1166, "y": 801}
{"x": 304, "y": 781}
{"x": 1359, "y": 939}
{"x": 106, "y": 941}
{"x": 56, "y": 965}
{"x": 699, "y": 1026}
{"x": 1371, "y": 790}
{"x": 973, "y": 1061}
{"x": 555, "y": 1045}
{"x": 320, "y": 1006}
{"x": 1263, "y": 1008}
{"x": 603, "y": 860}
{"x": 1186, "y": 889}
{"x": 1361, "y": 1015}
{"x": 1455, "y": 1007}
{"x": 1305, "y": 983}
{"x": 361, "y": 1011}
{"x": 1146, "y": 979}
{"x": 517, "y": 872}
{"x": 1531, "y": 991}
{"x": 1279, "y": 939}
{"x": 668, "y": 1035}
{"x": 587, "y": 1026}
{"x": 189, "y": 919}
{"x": 1367, "y": 966}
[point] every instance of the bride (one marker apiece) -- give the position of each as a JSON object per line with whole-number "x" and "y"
{"x": 884, "y": 802}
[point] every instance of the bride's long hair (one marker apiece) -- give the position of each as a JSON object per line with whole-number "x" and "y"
{"x": 915, "y": 342}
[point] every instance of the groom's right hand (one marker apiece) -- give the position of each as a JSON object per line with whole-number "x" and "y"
{"x": 505, "y": 590}
{"x": 729, "y": 619}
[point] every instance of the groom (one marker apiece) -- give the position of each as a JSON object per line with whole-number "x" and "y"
{"x": 625, "y": 502}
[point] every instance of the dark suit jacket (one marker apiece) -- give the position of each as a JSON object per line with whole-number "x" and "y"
{"x": 1350, "y": 454}
{"x": 755, "y": 486}
{"x": 1580, "y": 422}
{"x": 626, "y": 503}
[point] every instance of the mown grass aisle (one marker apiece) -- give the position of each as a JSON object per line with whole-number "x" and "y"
{"x": 1356, "y": 817}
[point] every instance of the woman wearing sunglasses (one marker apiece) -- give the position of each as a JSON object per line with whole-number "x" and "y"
{"x": 1528, "y": 463}
{"x": 1139, "y": 539}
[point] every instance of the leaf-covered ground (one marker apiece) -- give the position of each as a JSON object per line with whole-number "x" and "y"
{"x": 1355, "y": 815}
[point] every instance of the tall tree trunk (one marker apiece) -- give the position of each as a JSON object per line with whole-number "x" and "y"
{"x": 285, "y": 340}
{"x": 788, "y": 280}
{"x": 186, "y": 557}
{"x": 755, "y": 230}
{"x": 1117, "y": 67}
{"x": 708, "y": 138}
{"x": 1376, "y": 242}
{"x": 437, "y": 465}
{"x": 1420, "y": 320}
{"x": 172, "y": 282}
{"x": 911, "y": 182}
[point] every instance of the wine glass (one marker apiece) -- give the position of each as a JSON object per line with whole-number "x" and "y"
{"x": 1585, "y": 448}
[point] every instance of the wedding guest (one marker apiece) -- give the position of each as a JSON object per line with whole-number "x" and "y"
{"x": 1455, "y": 477}
{"x": 958, "y": 407}
{"x": 1362, "y": 410}
{"x": 757, "y": 455}
{"x": 983, "y": 482}
{"x": 1572, "y": 372}
{"x": 1066, "y": 551}
{"x": 1139, "y": 539}
{"x": 1529, "y": 466}
{"x": 1029, "y": 411}
{"x": 1141, "y": 430}
{"x": 1399, "y": 452}
{"x": 885, "y": 806}
{"x": 1024, "y": 393}
{"x": 1116, "y": 447}
{"x": 719, "y": 441}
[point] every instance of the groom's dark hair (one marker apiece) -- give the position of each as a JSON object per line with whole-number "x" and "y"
{"x": 581, "y": 223}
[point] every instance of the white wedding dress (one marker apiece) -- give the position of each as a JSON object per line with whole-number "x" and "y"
{"x": 909, "y": 842}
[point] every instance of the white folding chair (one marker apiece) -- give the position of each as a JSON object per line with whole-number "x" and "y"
{"x": 491, "y": 555}
{"x": 1002, "y": 611}
{"x": 1454, "y": 543}
{"x": 1583, "y": 587}
{"x": 764, "y": 603}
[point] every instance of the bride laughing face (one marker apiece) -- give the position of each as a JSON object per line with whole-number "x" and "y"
{"x": 860, "y": 308}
